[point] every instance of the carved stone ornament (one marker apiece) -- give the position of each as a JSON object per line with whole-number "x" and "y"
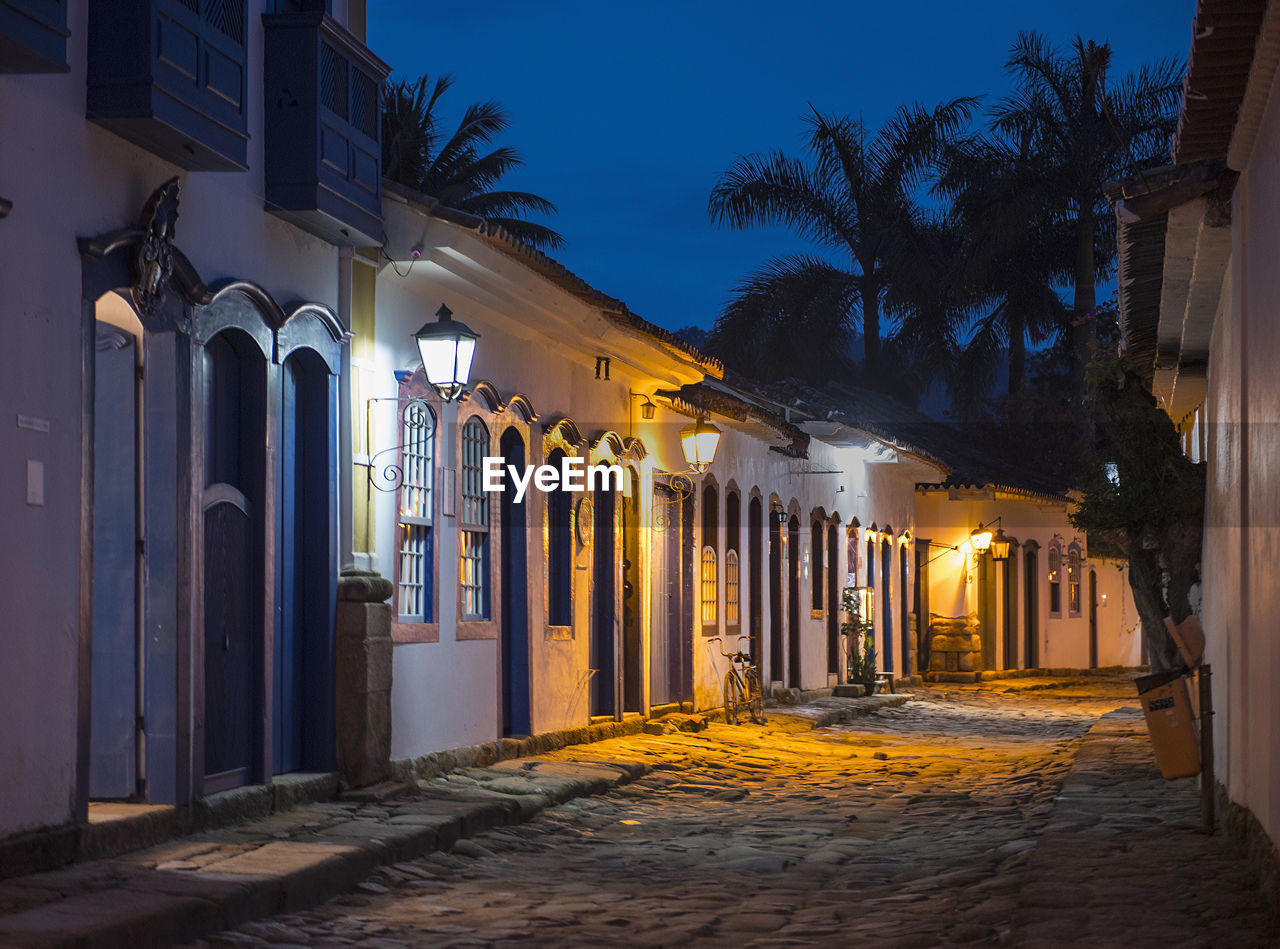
{"x": 153, "y": 259}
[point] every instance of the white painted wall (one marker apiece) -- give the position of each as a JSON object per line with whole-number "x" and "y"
{"x": 1064, "y": 637}
{"x": 1242, "y": 516}
{"x": 68, "y": 178}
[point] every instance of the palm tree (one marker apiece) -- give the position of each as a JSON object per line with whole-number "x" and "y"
{"x": 857, "y": 196}
{"x": 460, "y": 170}
{"x": 788, "y": 319}
{"x": 1085, "y": 134}
{"x": 1013, "y": 248}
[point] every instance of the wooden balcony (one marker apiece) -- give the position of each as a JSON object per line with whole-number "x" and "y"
{"x": 169, "y": 75}
{"x": 33, "y": 36}
{"x": 322, "y": 112}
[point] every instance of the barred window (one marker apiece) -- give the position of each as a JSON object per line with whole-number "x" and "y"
{"x": 708, "y": 586}
{"x": 1055, "y": 580}
{"x": 473, "y": 565}
{"x": 731, "y": 588}
{"x": 415, "y": 565}
{"x": 1073, "y": 581}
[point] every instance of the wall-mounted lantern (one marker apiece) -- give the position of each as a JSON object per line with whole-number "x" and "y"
{"x": 699, "y": 441}
{"x": 446, "y": 347}
{"x": 983, "y": 539}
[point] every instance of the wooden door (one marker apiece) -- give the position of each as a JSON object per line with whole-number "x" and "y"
{"x": 113, "y": 761}
{"x": 515, "y": 599}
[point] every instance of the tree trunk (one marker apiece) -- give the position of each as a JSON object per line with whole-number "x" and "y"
{"x": 1017, "y": 352}
{"x": 871, "y": 324}
{"x": 1146, "y": 579}
{"x": 1084, "y": 335}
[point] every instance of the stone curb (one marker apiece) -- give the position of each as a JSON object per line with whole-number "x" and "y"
{"x": 194, "y": 886}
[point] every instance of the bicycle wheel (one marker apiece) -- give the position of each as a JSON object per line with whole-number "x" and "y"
{"x": 755, "y": 696}
{"x": 732, "y": 696}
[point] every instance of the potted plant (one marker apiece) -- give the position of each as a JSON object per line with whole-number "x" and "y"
{"x": 857, "y": 629}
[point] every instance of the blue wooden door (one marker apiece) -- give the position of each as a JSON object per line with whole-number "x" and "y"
{"x": 234, "y": 456}
{"x": 515, "y": 600}
{"x": 229, "y": 638}
{"x": 303, "y": 654}
{"x": 113, "y": 766}
{"x": 603, "y": 646}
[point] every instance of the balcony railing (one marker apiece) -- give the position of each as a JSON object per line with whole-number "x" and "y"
{"x": 322, "y": 112}
{"x": 169, "y": 75}
{"x": 33, "y": 36}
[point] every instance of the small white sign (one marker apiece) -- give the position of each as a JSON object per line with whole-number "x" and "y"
{"x": 35, "y": 483}
{"x": 33, "y": 424}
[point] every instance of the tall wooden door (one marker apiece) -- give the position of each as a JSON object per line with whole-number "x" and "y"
{"x": 603, "y": 645}
{"x": 632, "y": 677}
{"x": 833, "y": 600}
{"x": 113, "y": 762}
{"x": 1093, "y": 620}
{"x": 755, "y": 577}
{"x": 793, "y": 602}
{"x": 515, "y": 599}
{"x": 886, "y": 594}
{"x": 775, "y": 598}
{"x": 234, "y": 378}
{"x": 1031, "y": 600}
{"x": 664, "y": 640}
{"x": 303, "y": 650}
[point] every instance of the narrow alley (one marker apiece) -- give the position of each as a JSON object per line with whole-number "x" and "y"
{"x": 1023, "y": 812}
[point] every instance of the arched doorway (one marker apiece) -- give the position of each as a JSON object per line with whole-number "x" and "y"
{"x": 775, "y": 596}
{"x": 632, "y": 675}
{"x": 1093, "y": 619}
{"x": 833, "y": 600}
{"x": 602, "y": 651}
{"x": 303, "y": 713}
{"x": 1031, "y": 601}
{"x": 755, "y": 576}
{"x": 904, "y": 617}
{"x": 515, "y": 596}
{"x": 793, "y": 602}
{"x": 234, "y": 488}
{"x": 886, "y": 593}
{"x": 113, "y": 762}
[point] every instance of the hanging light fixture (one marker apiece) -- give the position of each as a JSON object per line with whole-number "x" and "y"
{"x": 699, "y": 440}
{"x": 446, "y": 347}
{"x": 1000, "y": 544}
{"x": 980, "y": 538}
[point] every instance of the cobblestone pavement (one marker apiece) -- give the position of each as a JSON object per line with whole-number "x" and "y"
{"x": 963, "y": 818}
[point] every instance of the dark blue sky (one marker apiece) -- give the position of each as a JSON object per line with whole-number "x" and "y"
{"x": 627, "y": 113}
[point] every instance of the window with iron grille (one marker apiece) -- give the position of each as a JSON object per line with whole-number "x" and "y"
{"x": 817, "y": 576}
{"x": 474, "y": 521}
{"x": 1055, "y": 581}
{"x": 1073, "y": 581}
{"x": 731, "y": 593}
{"x": 708, "y": 586}
{"x": 415, "y": 568}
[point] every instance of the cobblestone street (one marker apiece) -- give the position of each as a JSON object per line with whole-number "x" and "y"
{"x": 970, "y": 816}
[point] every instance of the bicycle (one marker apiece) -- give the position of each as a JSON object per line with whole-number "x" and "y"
{"x": 742, "y": 690}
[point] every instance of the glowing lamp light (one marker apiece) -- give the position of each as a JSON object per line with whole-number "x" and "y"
{"x": 699, "y": 441}
{"x": 1000, "y": 545}
{"x": 980, "y": 539}
{"x": 446, "y": 347}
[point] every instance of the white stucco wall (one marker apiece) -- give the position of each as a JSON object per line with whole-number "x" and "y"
{"x": 1242, "y": 516}
{"x": 1063, "y": 638}
{"x": 68, "y": 178}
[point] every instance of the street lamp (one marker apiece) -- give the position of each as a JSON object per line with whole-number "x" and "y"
{"x": 983, "y": 539}
{"x": 699, "y": 440}
{"x": 446, "y": 347}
